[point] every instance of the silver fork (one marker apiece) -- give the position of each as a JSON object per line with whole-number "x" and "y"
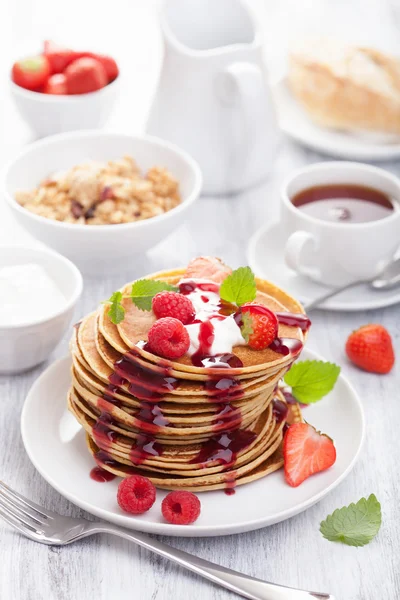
{"x": 48, "y": 527}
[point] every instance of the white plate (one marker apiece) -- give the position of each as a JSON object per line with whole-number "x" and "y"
{"x": 266, "y": 258}
{"x": 56, "y": 446}
{"x": 295, "y": 122}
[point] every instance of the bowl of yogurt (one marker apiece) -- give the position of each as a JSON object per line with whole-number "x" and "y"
{"x": 38, "y": 293}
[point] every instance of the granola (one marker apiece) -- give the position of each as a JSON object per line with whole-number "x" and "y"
{"x": 98, "y": 193}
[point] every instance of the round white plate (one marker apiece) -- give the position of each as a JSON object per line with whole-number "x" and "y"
{"x": 56, "y": 446}
{"x": 295, "y": 122}
{"x": 266, "y": 258}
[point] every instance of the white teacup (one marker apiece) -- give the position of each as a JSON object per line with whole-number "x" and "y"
{"x": 336, "y": 253}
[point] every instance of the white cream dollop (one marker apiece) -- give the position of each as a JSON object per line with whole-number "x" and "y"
{"x": 206, "y": 304}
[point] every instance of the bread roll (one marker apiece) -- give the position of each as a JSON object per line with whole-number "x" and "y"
{"x": 346, "y": 87}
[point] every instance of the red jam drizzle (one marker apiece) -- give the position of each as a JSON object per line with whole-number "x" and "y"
{"x": 206, "y": 339}
{"x": 143, "y": 382}
{"x": 286, "y": 346}
{"x": 103, "y": 435}
{"x": 146, "y": 447}
{"x": 223, "y": 389}
{"x": 217, "y": 361}
{"x": 230, "y": 483}
{"x": 152, "y": 413}
{"x": 205, "y": 286}
{"x": 225, "y": 447}
{"x": 101, "y": 475}
{"x": 279, "y": 410}
{"x": 294, "y": 320}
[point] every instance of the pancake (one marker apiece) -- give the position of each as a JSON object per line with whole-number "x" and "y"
{"x": 183, "y": 425}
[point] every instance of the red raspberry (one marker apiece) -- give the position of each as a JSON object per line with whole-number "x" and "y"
{"x": 181, "y": 508}
{"x": 136, "y": 494}
{"x": 168, "y": 338}
{"x": 263, "y": 323}
{"x": 171, "y": 304}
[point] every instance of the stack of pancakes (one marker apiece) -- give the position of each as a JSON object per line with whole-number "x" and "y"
{"x": 180, "y": 425}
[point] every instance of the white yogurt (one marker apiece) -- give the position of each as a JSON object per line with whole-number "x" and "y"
{"x": 27, "y": 294}
{"x": 206, "y": 304}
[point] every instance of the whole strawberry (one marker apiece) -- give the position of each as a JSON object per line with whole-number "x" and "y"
{"x": 370, "y": 348}
{"x": 259, "y": 325}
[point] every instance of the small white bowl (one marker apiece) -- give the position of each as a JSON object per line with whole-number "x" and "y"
{"x": 99, "y": 249}
{"x": 25, "y": 345}
{"x": 48, "y": 114}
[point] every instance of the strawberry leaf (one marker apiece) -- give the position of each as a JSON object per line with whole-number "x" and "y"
{"x": 311, "y": 380}
{"x": 246, "y": 327}
{"x": 354, "y": 525}
{"x": 239, "y": 287}
{"x": 144, "y": 290}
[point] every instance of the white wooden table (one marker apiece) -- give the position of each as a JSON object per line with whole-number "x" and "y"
{"x": 293, "y": 552}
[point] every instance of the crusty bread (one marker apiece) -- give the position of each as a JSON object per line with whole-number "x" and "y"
{"x": 346, "y": 87}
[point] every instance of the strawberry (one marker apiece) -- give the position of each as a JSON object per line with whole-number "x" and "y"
{"x": 259, "y": 325}
{"x": 207, "y": 267}
{"x": 85, "y": 75}
{"x": 370, "y": 348}
{"x": 305, "y": 452}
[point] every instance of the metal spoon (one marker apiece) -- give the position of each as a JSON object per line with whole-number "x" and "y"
{"x": 388, "y": 278}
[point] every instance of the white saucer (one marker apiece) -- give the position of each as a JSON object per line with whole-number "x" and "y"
{"x": 56, "y": 446}
{"x": 265, "y": 257}
{"x": 295, "y": 122}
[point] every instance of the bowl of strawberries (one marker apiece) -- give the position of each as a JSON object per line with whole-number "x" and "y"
{"x": 62, "y": 89}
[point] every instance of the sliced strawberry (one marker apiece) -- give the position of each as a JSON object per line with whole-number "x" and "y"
{"x": 259, "y": 325}
{"x": 305, "y": 452}
{"x": 207, "y": 267}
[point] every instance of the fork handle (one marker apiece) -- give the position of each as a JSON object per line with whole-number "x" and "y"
{"x": 244, "y": 585}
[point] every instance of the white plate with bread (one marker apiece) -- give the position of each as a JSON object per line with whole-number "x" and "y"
{"x": 341, "y": 100}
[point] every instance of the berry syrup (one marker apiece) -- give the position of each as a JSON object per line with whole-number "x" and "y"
{"x": 225, "y": 447}
{"x": 101, "y": 475}
{"x": 279, "y": 410}
{"x": 294, "y": 320}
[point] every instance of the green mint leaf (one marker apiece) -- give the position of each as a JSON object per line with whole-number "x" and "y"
{"x": 354, "y": 525}
{"x": 311, "y": 380}
{"x": 246, "y": 327}
{"x": 116, "y": 312}
{"x": 144, "y": 290}
{"x": 239, "y": 287}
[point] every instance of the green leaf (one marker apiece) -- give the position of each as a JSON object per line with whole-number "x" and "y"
{"x": 239, "y": 287}
{"x": 311, "y": 380}
{"x": 144, "y": 290}
{"x": 246, "y": 327}
{"x": 354, "y": 525}
{"x": 116, "y": 312}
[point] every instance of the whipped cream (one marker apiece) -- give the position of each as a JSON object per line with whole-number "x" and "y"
{"x": 226, "y": 332}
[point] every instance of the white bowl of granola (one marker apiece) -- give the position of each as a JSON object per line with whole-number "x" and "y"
{"x": 98, "y": 197}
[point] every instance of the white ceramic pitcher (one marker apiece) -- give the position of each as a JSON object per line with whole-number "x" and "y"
{"x": 213, "y": 97}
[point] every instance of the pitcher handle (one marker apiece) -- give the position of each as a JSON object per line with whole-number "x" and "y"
{"x": 243, "y": 86}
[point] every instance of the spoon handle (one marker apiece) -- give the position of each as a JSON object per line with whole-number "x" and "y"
{"x": 330, "y": 294}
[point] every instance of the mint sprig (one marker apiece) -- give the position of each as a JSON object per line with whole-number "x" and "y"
{"x": 116, "y": 312}
{"x": 354, "y": 525}
{"x": 311, "y": 380}
{"x": 144, "y": 290}
{"x": 142, "y": 293}
{"x": 239, "y": 287}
